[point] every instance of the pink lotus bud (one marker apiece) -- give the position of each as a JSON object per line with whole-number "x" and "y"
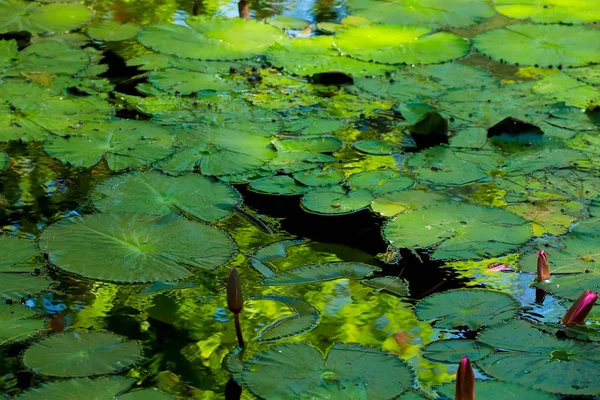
{"x": 580, "y": 309}
{"x": 465, "y": 380}
{"x": 543, "y": 268}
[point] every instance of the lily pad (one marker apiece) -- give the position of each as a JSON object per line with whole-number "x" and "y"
{"x": 17, "y": 324}
{"x": 491, "y": 390}
{"x": 279, "y": 185}
{"x": 376, "y": 147}
{"x": 389, "y": 284}
{"x": 336, "y": 200}
{"x": 401, "y": 44}
{"x": 453, "y": 350}
{"x": 8, "y": 51}
{"x": 79, "y": 354}
{"x": 105, "y": 388}
{"x": 321, "y": 272}
{"x": 286, "y": 22}
{"x": 374, "y": 375}
{"x": 473, "y": 308}
{"x": 187, "y": 82}
{"x": 318, "y": 177}
{"x": 50, "y": 57}
{"x": 270, "y": 252}
{"x": 538, "y": 360}
{"x": 15, "y": 251}
{"x": 380, "y": 182}
{"x": 193, "y": 195}
{"x": 458, "y": 231}
{"x": 312, "y": 144}
{"x": 551, "y": 11}
{"x": 17, "y": 286}
{"x": 135, "y": 247}
{"x": 305, "y": 318}
{"x": 146, "y": 394}
{"x": 393, "y": 203}
{"x": 211, "y": 39}
{"x": 113, "y": 31}
{"x": 17, "y": 15}
{"x": 541, "y": 45}
{"x": 570, "y": 255}
{"x": 570, "y": 286}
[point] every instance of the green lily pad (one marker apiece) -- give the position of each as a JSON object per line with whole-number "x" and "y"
{"x": 17, "y": 324}
{"x": 113, "y": 31}
{"x": 270, "y": 252}
{"x": 8, "y": 51}
{"x": 491, "y": 390}
{"x": 122, "y": 143}
{"x": 453, "y": 350}
{"x": 389, "y": 284}
{"x": 305, "y": 318}
{"x": 538, "y": 360}
{"x": 401, "y": 44}
{"x": 135, "y": 248}
{"x": 51, "y": 57}
{"x": 376, "y": 147}
{"x": 15, "y": 251}
{"x": 321, "y": 272}
{"x": 393, "y": 203}
{"x": 570, "y": 255}
{"x": 458, "y": 231}
{"x": 570, "y": 286}
{"x": 551, "y": 11}
{"x": 279, "y": 185}
{"x": 563, "y": 88}
{"x": 541, "y": 45}
{"x": 211, "y": 39}
{"x": 17, "y": 286}
{"x": 79, "y": 354}
{"x": 187, "y": 82}
{"x": 318, "y": 177}
{"x": 286, "y": 22}
{"x": 146, "y": 394}
{"x": 374, "y": 375}
{"x": 105, "y": 388}
{"x": 433, "y": 13}
{"x": 411, "y": 396}
{"x": 312, "y": 144}
{"x": 193, "y": 195}
{"x": 473, "y": 308}
{"x": 17, "y": 15}
{"x": 3, "y": 160}
{"x": 336, "y": 201}
{"x": 380, "y": 182}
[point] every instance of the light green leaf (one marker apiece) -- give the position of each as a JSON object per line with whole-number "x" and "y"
{"x": 336, "y": 200}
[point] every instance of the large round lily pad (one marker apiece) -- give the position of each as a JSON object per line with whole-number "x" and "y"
{"x": 336, "y": 201}
{"x": 401, "y": 44}
{"x": 104, "y": 388}
{"x": 17, "y": 15}
{"x": 78, "y": 354}
{"x": 538, "y": 360}
{"x": 541, "y": 45}
{"x": 551, "y": 11}
{"x": 17, "y": 323}
{"x": 350, "y": 371}
{"x": 492, "y": 390}
{"x": 135, "y": 247}
{"x": 194, "y": 195}
{"x": 458, "y": 231}
{"x": 473, "y": 308}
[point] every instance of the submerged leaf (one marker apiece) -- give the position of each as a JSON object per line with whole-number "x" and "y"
{"x": 388, "y": 283}
{"x": 321, "y": 272}
{"x": 270, "y": 252}
{"x": 305, "y": 318}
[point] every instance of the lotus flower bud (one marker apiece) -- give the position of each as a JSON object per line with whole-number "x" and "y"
{"x": 465, "y": 380}
{"x": 235, "y": 302}
{"x": 580, "y": 309}
{"x": 543, "y": 268}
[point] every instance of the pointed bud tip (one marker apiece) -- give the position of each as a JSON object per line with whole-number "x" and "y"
{"x": 465, "y": 380}
{"x": 579, "y": 310}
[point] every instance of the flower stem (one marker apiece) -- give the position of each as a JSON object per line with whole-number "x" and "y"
{"x": 238, "y": 330}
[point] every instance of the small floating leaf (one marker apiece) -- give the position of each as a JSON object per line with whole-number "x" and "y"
{"x": 348, "y": 368}
{"x": 376, "y": 147}
{"x": 380, "y": 182}
{"x": 17, "y": 15}
{"x": 305, "y": 318}
{"x": 473, "y": 308}
{"x": 279, "y": 185}
{"x": 452, "y": 351}
{"x": 551, "y": 11}
{"x": 17, "y": 324}
{"x": 388, "y": 283}
{"x": 78, "y": 354}
{"x": 336, "y": 200}
{"x": 105, "y": 388}
{"x": 318, "y": 177}
{"x": 113, "y": 31}
{"x": 492, "y": 390}
{"x": 321, "y": 272}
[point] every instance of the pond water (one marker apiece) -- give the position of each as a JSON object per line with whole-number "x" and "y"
{"x": 381, "y": 174}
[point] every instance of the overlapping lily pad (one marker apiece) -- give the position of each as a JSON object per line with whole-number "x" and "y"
{"x": 135, "y": 247}
{"x": 80, "y": 354}
{"x": 113, "y": 31}
{"x": 17, "y": 15}
{"x": 18, "y": 323}
{"x": 194, "y": 195}
{"x": 374, "y": 375}
{"x": 472, "y": 308}
{"x": 541, "y": 45}
{"x": 104, "y": 388}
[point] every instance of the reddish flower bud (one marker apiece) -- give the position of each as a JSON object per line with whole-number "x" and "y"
{"x": 580, "y": 309}
{"x": 235, "y": 302}
{"x": 465, "y": 380}
{"x": 543, "y": 268}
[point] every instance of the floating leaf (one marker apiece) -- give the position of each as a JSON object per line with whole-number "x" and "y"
{"x": 571, "y": 286}
{"x": 562, "y": 88}
{"x": 541, "y": 45}
{"x": 538, "y": 360}
{"x": 336, "y": 200}
{"x": 154, "y": 193}
{"x": 305, "y": 318}
{"x": 473, "y": 308}
{"x": 270, "y": 252}
{"x": 313, "y": 144}
{"x": 279, "y": 185}
{"x": 379, "y": 182}
{"x": 458, "y": 231}
{"x": 51, "y": 57}
{"x": 376, "y": 147}
{"x": 146, "y": 394}
{"x": 187, "y": 82}
{"x": 551, "y": 11}
{"x": 17, "y": 324}
{"x": 113, "y": 31}
{"x": 571, "y": 254}
{"x": 491, "y": 390}
{"x": 18, "y": 286}
{"x": 135, "y": 247}
{"x": 321, "y": 272}
{"x": 318, "y": 177}
{"x": 398, "y": 44}
{"x": 17, "y": 15}
{"x": 286, "y": 22}
{"x": 375, "y": 374}
{"x": 8, "y": 51}
{"x": 14, "y": 251}
{"x": 105, "y": 388}
{"x": 453, "y": 350}
{"x": 391, "y": 284}
{"x": 80, "y": 354}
